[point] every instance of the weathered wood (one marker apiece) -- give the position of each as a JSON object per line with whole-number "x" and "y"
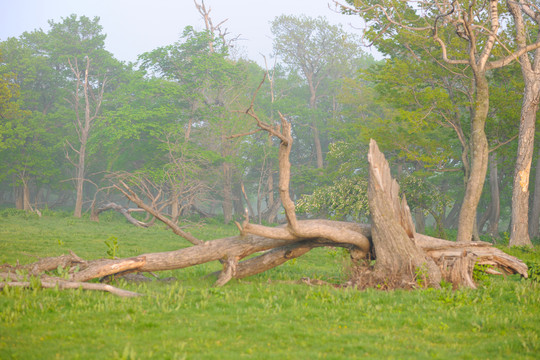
{"x": 277, "y": 252}
{"x": 396, "y": 254}
{"x": 63, "y": 284}
{"x": 52, "y": 263}
{"x": 101, "y": 268}
{"x": 458, "y": 269}
{"x": 133, "y": 197}
{"x": 121, "y": 210}
{"x": 278, "y": 256}
{"x": 229, "y": 271}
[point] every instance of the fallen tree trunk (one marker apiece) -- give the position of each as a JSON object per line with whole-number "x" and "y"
{"x": 276, "y": 252}
{"x": 401, "y": 255}
{"x": 50, "y": 282}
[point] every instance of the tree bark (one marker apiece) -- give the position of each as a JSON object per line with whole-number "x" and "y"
{"x": 80, "y": 178}
{"x": 94, "y": 216}
{"x": 26, "y": 196}
{"x": 314, "y": 129}
{"x": 447, "y": 254}
{"x": 83, "y": 125}
{"x": 495, "y": 208}
{"x": 19, "y": 197}
{"x": 451, "y": 220}
{"x": 519, "y": 227}
{"x": 419, "y": 220}
{"x": 519, "y": 234}
{"x": 227, "y": 204}
{"x": 393, "y": 232}
{"x": 175, "y": 204}
{"x": 534, "y": 220}
{"x": 479, "y": 160}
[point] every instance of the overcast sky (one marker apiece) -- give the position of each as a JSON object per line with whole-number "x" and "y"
{"x": 137, "y": 26}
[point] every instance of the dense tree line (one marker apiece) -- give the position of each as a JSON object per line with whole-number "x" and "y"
{"x": 75, "y": 120}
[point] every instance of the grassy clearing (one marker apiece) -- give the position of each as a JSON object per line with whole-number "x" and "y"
{"x": 268, "y": 316}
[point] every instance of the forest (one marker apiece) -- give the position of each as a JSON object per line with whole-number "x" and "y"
{"x": 193, "y": 130}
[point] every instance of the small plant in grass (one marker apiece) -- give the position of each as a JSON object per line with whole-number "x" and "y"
{"x": 534, "y": 270}
{"x": 62, "y": 272}
{"x": 112, "y": 247}
{"x": 505, "y": 238}
{"x": 479, "y": 273}
{"x": 421, "y": 275}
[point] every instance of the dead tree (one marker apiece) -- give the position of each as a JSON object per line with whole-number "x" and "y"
{"x": 393, "y": 232}
{"x": 401, "y": 255}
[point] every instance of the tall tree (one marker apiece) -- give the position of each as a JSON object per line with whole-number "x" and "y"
{"x": 322, "y": 53}
{"x": 476, "y": 23}
{"x": 212, "y": 86}
{"x": 36, "y": 158}
{"x": 78, "y": 46}
{"x": 530, "y": 68}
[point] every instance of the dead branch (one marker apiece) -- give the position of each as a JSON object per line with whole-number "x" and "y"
{"x": 132, "y": 196}
{"x": 124, "y": 211}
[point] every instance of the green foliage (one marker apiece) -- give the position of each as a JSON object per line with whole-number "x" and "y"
{"x": 531, "y": 257}
{"x": 112, "y": 247}
{"x": 421, "y": 276}
{"x": 12, "y": 212}
{"x": 479, "y": 273}
{"x": 12, "y": 131}
{"x": 533, "y": 270}
{"x": 344, "y": 198}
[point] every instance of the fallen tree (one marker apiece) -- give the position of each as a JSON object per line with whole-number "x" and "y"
{"x": 401, "y": 255}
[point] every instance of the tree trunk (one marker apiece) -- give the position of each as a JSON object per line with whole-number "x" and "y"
{"x": 80, "y": 179}
{"x": 269, "y": 195}
{"x": 398, "y": 258}
{"x": 317, "y": 144}
{"x": 83, "y": 123}
{"x": 534, "y": 220}
{"x": 519, "y": 227}
{"x": 175, "y": 206}
{"x": 314, "y": 129}
{"x": 495, "y": 213}
{"x": 227, "y": 204}
{"x": 270, "y": 213}
{"x": 26, "y": 196}
{"x": 451, "y": 220}
{"x": 519, "y": 234}
{"x": 19, "y": 197}
{"x": 484, "y": 219}
{"x": 419, "y": 220}
{"x": 238, "y": 200}
{"x": 479, "y": 161}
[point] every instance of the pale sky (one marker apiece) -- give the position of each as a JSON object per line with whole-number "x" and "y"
{"x": 137, "y": 26}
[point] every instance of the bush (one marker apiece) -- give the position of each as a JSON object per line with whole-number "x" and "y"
{"x": 12, "y": 212}
{"x": 534, "y": 270}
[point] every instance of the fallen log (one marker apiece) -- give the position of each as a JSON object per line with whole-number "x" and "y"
{"x": 391, "y": 240}
{"x": 275, "y": 253}
{"x": 51, "y": 283}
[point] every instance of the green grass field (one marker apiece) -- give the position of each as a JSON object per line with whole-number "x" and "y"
{"x": 268, "y": 316}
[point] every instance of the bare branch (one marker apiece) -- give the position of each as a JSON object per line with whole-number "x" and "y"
{"x": 131, "y": 195}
